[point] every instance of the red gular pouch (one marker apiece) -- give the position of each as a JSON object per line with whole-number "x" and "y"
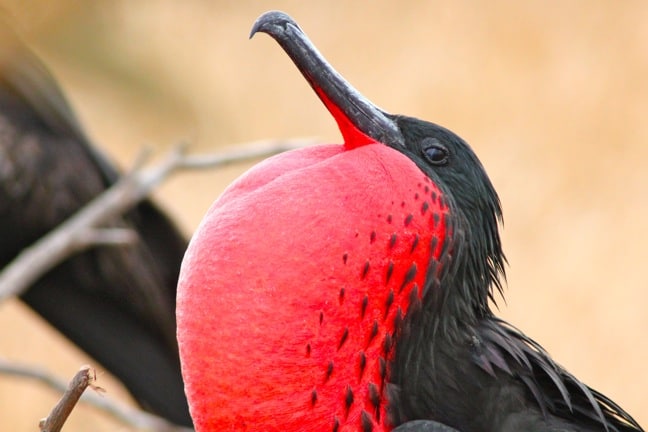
{"x": 294, "y": 285}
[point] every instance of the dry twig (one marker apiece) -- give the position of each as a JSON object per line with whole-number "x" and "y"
{"x": 83, "y": 229}
{"x": 130, "y": 416}
{"x": 61, "y": 411}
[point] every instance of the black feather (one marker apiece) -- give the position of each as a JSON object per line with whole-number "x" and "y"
{"x": 455, "y": 362}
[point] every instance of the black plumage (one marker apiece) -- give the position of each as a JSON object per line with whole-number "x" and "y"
{"x": 115, "y": 303}
{"x": 455, "y": 361}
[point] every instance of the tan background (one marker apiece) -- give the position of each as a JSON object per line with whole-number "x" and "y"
{"x": 553, "y": 97}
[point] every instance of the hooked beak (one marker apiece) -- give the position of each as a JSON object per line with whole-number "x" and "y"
{"x": 344, "y": 102}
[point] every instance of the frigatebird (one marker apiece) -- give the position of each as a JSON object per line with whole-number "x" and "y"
{"x": 347, "y": 287}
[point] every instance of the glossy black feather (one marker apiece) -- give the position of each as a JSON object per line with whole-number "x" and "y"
{"x": 116, "y": 303}
{"x": 455, "y": 362}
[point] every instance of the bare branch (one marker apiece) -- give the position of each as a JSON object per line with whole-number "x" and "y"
{"x": 72, "y": 235}
{"x": 61, "y": 411}
{"x": 14, "y": 369}
{"x": 106, "y": 237}
{"x": 127, "y": 415}
{"x": 250, "y": 152}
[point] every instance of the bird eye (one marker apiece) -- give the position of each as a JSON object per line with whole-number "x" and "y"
{"x": 435, "y": 152}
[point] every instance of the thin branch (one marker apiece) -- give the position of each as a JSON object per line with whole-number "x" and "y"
{"x": 71, "y": 236}
{"x": 129, "y": 416}
{"x": 107, "y": 237}
{"x": 61, "y": 411}
{"x": 264, "y": 147}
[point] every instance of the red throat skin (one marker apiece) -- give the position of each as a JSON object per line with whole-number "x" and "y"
{"x": 353, "y": 137}
{"x": 291, "y": 287}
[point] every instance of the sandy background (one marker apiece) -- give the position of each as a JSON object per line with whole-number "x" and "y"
{"x": 553, "y": 96}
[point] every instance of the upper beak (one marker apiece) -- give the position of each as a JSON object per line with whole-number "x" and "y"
{"x": 345, "y": 103}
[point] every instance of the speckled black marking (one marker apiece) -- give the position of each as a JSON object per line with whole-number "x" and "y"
{"x": 388, "y": 302}
{"x": 329, "y": 371}
{"x": 445, "y": 219}
{"x": 363, "y": 363}
{"x": 365, "y": 270}
{"x": 345, "y": 257}
{"x": 389, "y": 218}
{"x": 345, "y": 335}
{"x": 398, "y": 319}
{"x": 434, "y": 243}
{"x": 392, "y": 240}
{"x": 415, "y": 243}
{"x": 374, "y": 395}
{"x": 435, "y": 219}
{"x": 341, "y": 296}
{"x": 363, "y": 306}
{"x": 308, "y": 349}
{"x": 374, "y": 331}
{"x": 408, "y": 219}
{"x": 434, "y": 197}
{"x": 416, "y": 196}
{"x": 321, "y": 318}
{"x": 313, "y": 397}
{"x": 414, "y": 296}
{"x": 415, "y": 303}
{"x": 372, "y": 237}
{"x": 433, "y": 269}
{"x": 348, "y": 399}
{"x": 431, "y": 275}
{"x": 416, "y": 288}
{"x": 424, "y": 207}
{"x": 336, "y": 424}
{"x": 382, "y": 368}
{"x": 390, "y": 270}
{"x": 387, "y": 344}
{"x": 426, "y": 189}
{"x": 409, "y": 276}
{"x": 367, "y": 424}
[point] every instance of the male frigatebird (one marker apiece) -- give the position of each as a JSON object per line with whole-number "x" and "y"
{"x": 346, "y": 288}
{"x": 116, "y": 303}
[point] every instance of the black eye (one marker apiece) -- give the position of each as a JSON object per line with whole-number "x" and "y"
{"x": 435, "y": 152}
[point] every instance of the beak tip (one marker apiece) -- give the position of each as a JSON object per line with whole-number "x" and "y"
{"x": 273, "y": 23}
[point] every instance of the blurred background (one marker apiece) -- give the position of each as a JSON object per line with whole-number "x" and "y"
{"x": 553, "y": 97}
